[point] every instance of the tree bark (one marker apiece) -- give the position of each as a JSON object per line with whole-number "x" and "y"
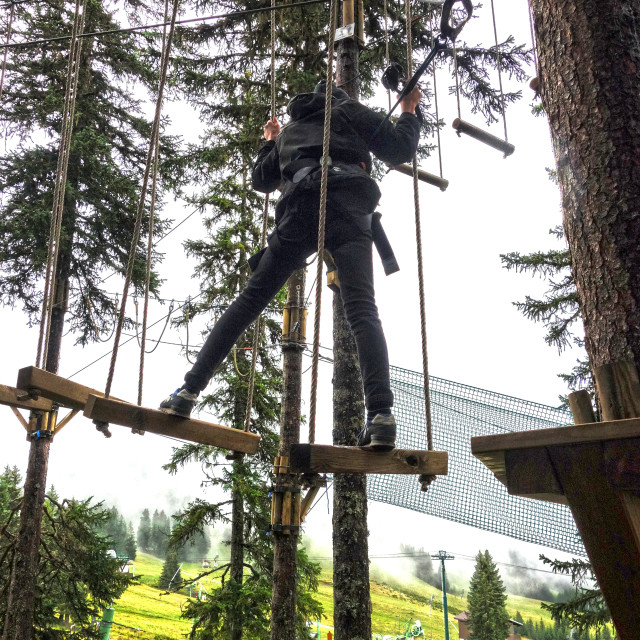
{"x": 23, "y": 585}
{"x": 285, "y": 567}
{"x": 236, "y": 571}
{"x": 589, "y": 52}
{"x": 351, "y": 595}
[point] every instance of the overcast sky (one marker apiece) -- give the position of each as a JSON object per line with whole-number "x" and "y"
{"x": 476, "y": 336}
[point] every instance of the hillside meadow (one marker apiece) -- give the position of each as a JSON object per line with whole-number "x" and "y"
{"x": 146, "y": 612}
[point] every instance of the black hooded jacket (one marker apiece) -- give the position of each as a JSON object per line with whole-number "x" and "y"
{"x": 351, "y": 144}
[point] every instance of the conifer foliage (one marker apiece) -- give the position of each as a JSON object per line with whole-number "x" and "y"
{"x": 76, "y": 576}
{"x": 108, "y": 149}
{"x": 487, "y": 598}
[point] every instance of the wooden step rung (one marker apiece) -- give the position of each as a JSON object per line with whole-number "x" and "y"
{"x": 12, "y": 397}
{"x": 483, "y": 136}
{"x": 61, "y": 390}
{"x": 322, "y": 458}
{"x": 423, "y": 176}
{"x": 130, "y": 415}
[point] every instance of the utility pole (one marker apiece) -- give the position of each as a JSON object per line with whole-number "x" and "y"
{"x": 442, "y": 556}
{"x": 285, "y": 544}
{"x": 351, "y": 596}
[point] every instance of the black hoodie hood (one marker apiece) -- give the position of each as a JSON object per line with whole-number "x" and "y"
{"x": 304, "y": 104}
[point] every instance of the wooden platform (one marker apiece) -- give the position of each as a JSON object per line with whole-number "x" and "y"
{"x": 595, "y": 469}
{"x": 130, "y": 415}
{"x": 114, "y": 411}
{"x": 522, "y": 461}
{"x": 321, "y": 458}
{"x": 61, "y": 390}
{"x": 11, "y": 397}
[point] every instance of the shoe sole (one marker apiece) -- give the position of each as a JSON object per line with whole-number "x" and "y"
{"x": 173, "y": 412}
{"x": 380, "y": 444}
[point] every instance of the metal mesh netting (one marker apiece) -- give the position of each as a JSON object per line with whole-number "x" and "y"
{"x": 470, "y": 494}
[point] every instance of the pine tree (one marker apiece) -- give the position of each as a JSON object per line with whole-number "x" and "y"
{"x": 159, "y": 535}
{"x": 558, "y": 310}
{"x": 144, "y": 532}
{"x": 107, "y": 151}
{"x": 75, "y": 577}
{"x": 586, "y": 611}
{"x": 487, "y": 597}
{"x": 170, "y": 577}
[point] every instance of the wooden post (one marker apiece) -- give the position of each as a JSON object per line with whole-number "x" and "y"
{"x": 285, "y": 545}
{"x": 618, "y": 390}
{"x": 581, "y": 409}
{"x": 351, "y": 598}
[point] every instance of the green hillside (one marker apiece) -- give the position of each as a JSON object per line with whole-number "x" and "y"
{"x": 156, "y": 614}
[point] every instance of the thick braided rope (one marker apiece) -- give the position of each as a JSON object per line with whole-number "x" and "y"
{"x": 495, "y": 35}
{"x": 416, "y": 200}
{"x": 152, "y": 212}
{"x": 6, "y": 51}
{"x": 322, "y": 215}
{"x": 257, "y": 329}
{"x": 141, "y": 202}
{"x": 435, "y": 99}
{"x": 55, "y": 228}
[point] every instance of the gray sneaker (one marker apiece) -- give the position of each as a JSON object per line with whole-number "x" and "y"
{"x": 379, "y": 434}
{"x": 179, "y": 403}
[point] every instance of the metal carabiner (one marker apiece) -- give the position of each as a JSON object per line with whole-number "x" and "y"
{"x": 447, "y": 28}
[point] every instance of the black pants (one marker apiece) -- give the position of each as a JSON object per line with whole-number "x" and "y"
{"x": 352, "y": 252}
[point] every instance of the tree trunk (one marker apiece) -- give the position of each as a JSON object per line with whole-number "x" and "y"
{"x": 285, "y": 568}
{"x": 19, "y": 622}
{"x": 589, "y": 54}
{"x": 236, "y": 570}
{"x": 351, "y": 596}
{"x": 23, "y": 585}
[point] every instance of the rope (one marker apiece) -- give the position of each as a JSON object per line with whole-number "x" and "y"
{"x": 322, "y": 216}
{"x": 495, "y": 35}
{"x": 64, "y": 151}
{"x": 152, "y": 209}
{"x": 534, "y": 46}
{"x": 166, "y": 324}
{"x": 455, "y": 73}
{"x": 435, "y": 99}
{"x": 6, "y": 51}
{"x": 147, "y": 27}
{"x": 416, "y": 200}
{"x": 387, "y": 55}
{"x": 263, "y": 238}
{"x": 141, "y": 202}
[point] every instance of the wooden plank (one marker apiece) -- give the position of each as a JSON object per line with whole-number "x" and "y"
{"x": 154, "y": 421}
{"x": 622, "y": 464}
{"x": 608, "y": 524}
{"x": 321, "y": 458}
{"x": 574, "y": 434}
{"x": 11, "y": 397}
{"x": 65, "y": 392}
{"x": 529, "y": 473}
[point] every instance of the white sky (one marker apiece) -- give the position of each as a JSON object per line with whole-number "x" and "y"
{"x": 476, "y": 336}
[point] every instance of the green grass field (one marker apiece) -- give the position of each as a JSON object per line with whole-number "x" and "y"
{"x": 157, "y": 614}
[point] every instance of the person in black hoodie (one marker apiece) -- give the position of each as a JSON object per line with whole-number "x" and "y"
{"x": 289, "y": 160}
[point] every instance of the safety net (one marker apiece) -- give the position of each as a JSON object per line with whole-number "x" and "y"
{"x": 470, "y": 494}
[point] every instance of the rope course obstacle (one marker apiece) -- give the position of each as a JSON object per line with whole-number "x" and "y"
{"x": 469, "y": 494}
{"x": 36, "y": 386}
